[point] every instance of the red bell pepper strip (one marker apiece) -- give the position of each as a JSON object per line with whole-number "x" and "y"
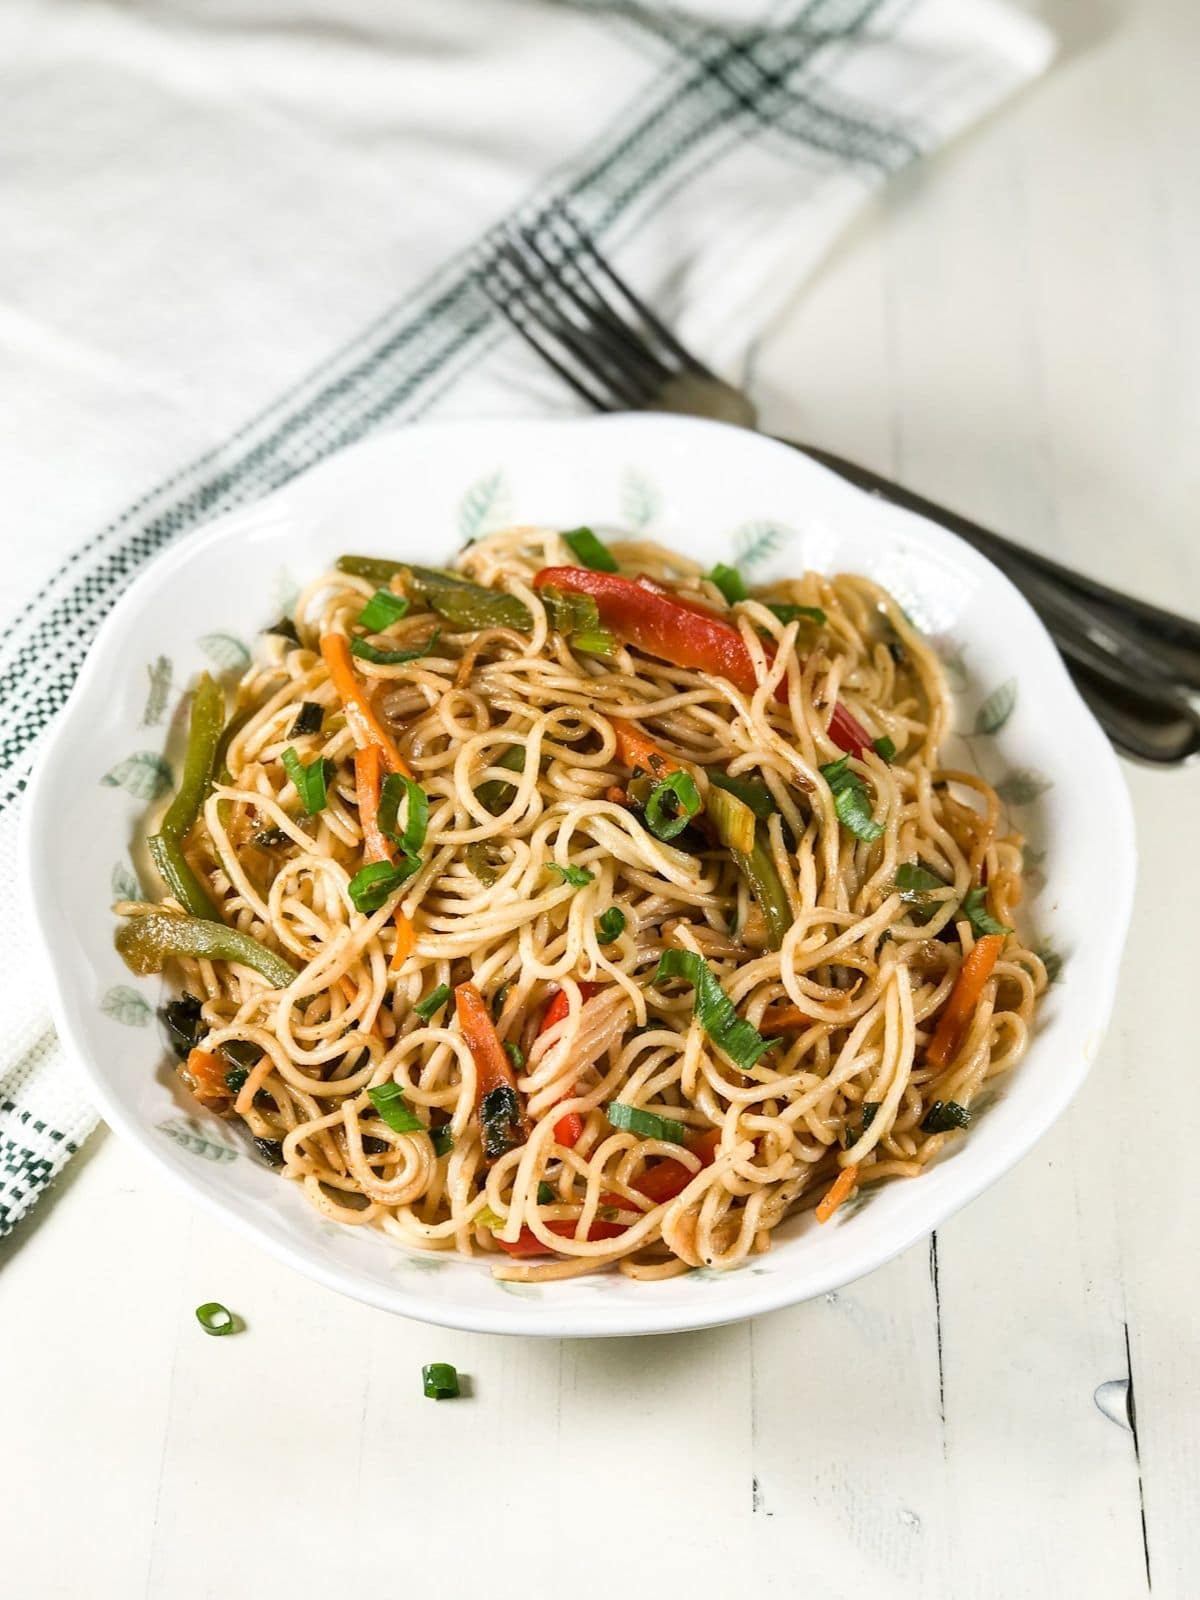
{"x": 527, "y": 1242}
{"x": 568, "y": 1130}
{"x": 684, "y": 634}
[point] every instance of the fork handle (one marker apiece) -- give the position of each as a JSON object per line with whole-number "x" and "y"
{"x": 1159, "y": 639}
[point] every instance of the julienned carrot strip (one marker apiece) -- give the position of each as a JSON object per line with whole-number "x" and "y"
{"x": 406, "y": 940}
{"x": 492, "y": 1067}
{"x": 568, "y": 1130}
{"x": 964, "y": 997}
{"x": 369, "y": 762}
{"x": 638, "y": 749}
{"x": 360, "y": 718}
{"x": 783, "y": 1019}
{"x": 838, "y": 1190}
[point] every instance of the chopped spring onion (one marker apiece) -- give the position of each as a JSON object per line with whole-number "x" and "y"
{"x": 439, "y": 1380}
{"x": 311, "y": 781}
{"x": 733, "y": 820}
{"x": 594, "y": 642}
{"x": 646, "y": 1124}
{"x": 500, "y": 1121}
{"x": 679, "y": 789}
{"x": 215, "y": 1318}
{"x": 308, "y": 719}
{"x": 388, "y": 1099}
{"x": 395, "y": 787}
{"x": 495, "y": 794}
{"x": 271, "y": 1150}
{"x": 741, "y": 1042}
{"x": 545, "y": 1194}
{"x": 610, "y": 925}
{"x": 748, "y": 790}
{"x": 915, "y": 885}
{"x": 730, "y": 582}
{"x": 788, "y": 614}
{"x": 577, "y": 877}
{"x": 589, "y": 551}
{"x": 271, "y": 838}
{"x": 945, "y": 1115}
{"x": 285, "y": 628}
{"x": 974, "y": 908}
{"x": 432, "y": 1002}
{"x": 885, "y": 748}
{"x": 442, "y": 1139}
{"x": 850, "y": 799}
{"x": 481, "y": 863}
{"x": 381, "y": 610}
{"x": 374, "y": 884}
{"x": 235, "y": 1079}
{"x": 183, "y": 1023}
{"x": 393, "y": 658}
{"x": 515, "y": 1054}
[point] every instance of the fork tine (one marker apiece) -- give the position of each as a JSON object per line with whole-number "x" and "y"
{"x": 589, "y": 349}
{"x": 562, "y": 212}
{"x": 621, "y": 341}
{"x": 596, "y": 400}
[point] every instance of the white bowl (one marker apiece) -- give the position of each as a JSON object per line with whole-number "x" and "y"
{"x": 717, "y": 493}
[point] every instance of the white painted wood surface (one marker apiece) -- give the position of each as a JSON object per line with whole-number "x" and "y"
{"x": 1017, "y": 332}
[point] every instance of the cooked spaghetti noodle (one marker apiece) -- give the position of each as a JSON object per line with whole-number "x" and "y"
{"x": 578, "y": 916}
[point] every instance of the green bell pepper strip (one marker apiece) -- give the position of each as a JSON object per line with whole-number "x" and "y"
{"x": 374, "y": 568}
{"x": 146, "y": 943}
{"x": 166, "y": 846}
{"x": 464, "y": 604}
{"x": 495, "y": 794}
{"x": 759, "y": 870}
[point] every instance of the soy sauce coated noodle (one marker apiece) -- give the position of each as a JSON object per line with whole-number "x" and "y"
{"x": 514, "y": 734}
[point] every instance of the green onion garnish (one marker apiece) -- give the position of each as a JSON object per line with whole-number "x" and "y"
{"x": 741, "y": 1042}
{"x": 885, "y": 748}
{"x": 235, "y": 1079}
{"x": 443, "y": 1140}
{"x": 748, "y": 790}
{"x": 388, "y": 1099}
{"x": 495, "y": 794}
{"x": 381, "y": 610}
{"x": 679, "y": 788}
{"x": 974, "y": 908}
{"x": 515, "y": 1054}
{"x": 850, "y": 799}
{"x": 545, "y": 1194}
{"x": 395, "y": 787}
{"x": 432, "y": 1002}
{"x": 372, "y": 885}
{"x": 308, "y": 719}
{"x": 271, "y": 838}
{"x": 439, "y": 1380}
{"x": 730, "y": 582}
{"x": 393, "y": 658}
{"x": 915, "y": 884}
{"x": 215, "y": 1318}
{"x": 311, "y": 781}
{"x": 594, "y": 642}
{"x": 577, "y": 877}
{"x": 646, "y": 1124}
{"x": 945, "y": 1115}
{"x": 589, "y": 551}
{"x": 610, "y": 925}
{"x": 788, "y": 614}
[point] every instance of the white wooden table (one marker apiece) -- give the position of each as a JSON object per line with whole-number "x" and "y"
{"x": 1017, "y": 332}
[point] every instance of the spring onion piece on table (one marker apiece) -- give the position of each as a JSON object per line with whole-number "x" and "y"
{"x": 311, "y": 781}
{"x": 712, "y": 1007}
{"x": 672, "y": 803}
{"x": 147, "y": 942}
{"x": 432, "y": 1002}
{"x": 589, "y": 551}
{"x": 381, "y": 610}
{"x": 439, "y": 1380}
{"x": 850, "y": 799}
{"x": 199, "y": 764}
{"x": 215, "y": 1318}
{"x": 646, "y": 1124}
{"x": 388, "y": 1099}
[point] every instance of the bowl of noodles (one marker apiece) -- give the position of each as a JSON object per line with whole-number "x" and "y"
{"x": 591, "y": 877}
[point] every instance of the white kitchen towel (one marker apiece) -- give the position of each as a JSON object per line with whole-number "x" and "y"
{"x": 239, "y": 234}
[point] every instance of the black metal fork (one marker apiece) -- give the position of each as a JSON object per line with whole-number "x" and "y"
{"x": 1136, "y": 664}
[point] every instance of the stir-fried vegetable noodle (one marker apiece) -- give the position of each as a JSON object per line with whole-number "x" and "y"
{"x": 583, "y": 918}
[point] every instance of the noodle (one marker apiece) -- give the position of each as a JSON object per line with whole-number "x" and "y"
{"x": 538, "y": 824}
